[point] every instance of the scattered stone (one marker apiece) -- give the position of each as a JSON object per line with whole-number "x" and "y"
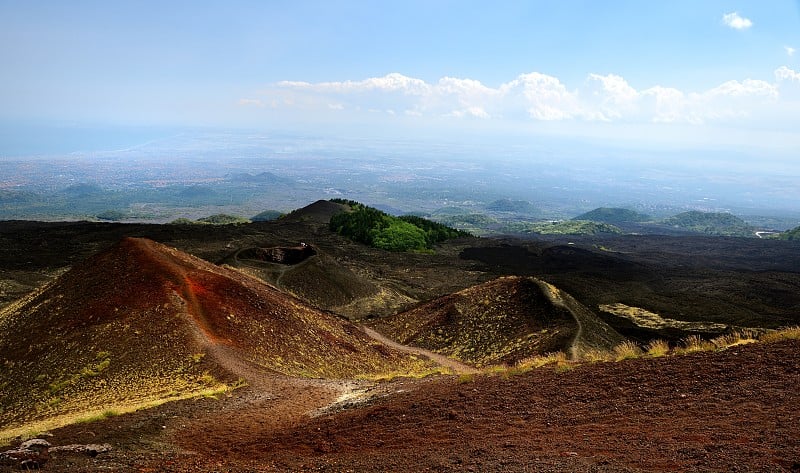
{"x": 30, "y": 455}
{"x": 36, "y": 445}
{"x": 91, "y": 449}
{"x": 34, "y": 453}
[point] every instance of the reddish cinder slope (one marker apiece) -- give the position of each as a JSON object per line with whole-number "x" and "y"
{"x": 734, "y": 410}
{"x": 142, "y": 322}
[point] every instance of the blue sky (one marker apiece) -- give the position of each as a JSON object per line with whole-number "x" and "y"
{"x": 695, "y": 73}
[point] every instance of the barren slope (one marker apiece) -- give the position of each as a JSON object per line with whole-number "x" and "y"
{"x": 734, "y": 410}
{"x": 143, "y": 322}
{"x": 501, "y": 321}
{"x": 729, "y": 411}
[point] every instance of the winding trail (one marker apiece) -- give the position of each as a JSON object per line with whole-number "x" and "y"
{"x": 555, "y": 296}
{"x": 456, "y": 366}
{"x": 591, "y": 331}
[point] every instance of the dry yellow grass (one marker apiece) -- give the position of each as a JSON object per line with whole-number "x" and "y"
{"x": 788, "y": 333}
{"x": 694, "y": 344}
{"x": 734, "y": 338}
{"x": 558, "y": 359}
{"x": 657, "y": 348}
{"x": 626, "y": 351}
{"x": 630, "y": 350}
{"x": 32, "y": 429}
{"x": 595, "y": 356}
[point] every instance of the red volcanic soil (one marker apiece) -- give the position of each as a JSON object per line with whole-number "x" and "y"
{"x": 735, "y": 410}
{"x": 730, "y": 411}
{"x": 269, "y": 327}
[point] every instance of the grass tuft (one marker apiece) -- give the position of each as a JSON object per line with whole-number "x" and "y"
{"x": 466, "y": 378}
{"x": 595, "y": 356}
{"x": 789, "y": 333}
{"x": 657, "y": 348}
{"x": 694, "y": 344}
{"x": 626, "y": 351}
{"x": 732, "y": 339}
{"x": 94, "y": 418}
{"x": 564, "y": 367}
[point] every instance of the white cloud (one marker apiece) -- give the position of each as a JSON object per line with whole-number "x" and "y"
{"x": 736, "y": 22}
{"x": 615, "y": 97}
{"x": 783, "y": 73}
{"x": 789, "y": 50}
{"x": 535, "y": 96}
{"x": 543, "y": 97}
{"x": 393, "y": 82}
{"x": 731, "y": 100}
{"x": 746, "y": 88}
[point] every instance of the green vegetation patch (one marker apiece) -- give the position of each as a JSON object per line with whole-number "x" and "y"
{"x": 378, "y": 229}
{"x": 216, "y": 219}
{"x": 613, "y": 215}
{"x": 223, "y": 219}
{"x": 514, "y": 206}
{"x": 570, "y": 227}
{"x": 711, "y": 223}
{"x": 791, "y": 235}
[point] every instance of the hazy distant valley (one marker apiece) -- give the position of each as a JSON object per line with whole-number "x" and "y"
{"x": 483, "y": 188}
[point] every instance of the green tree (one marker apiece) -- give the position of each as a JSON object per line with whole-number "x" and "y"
{"x": 398, "y": 236}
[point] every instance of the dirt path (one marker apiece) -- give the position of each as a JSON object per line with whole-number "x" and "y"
{"x": 554, "y": 294}
{"x": 591, "y": 331}
{"x": 456, "y": 366}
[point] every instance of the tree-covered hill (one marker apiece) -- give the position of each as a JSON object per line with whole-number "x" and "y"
{"x": 711, "y": 223}
{"x": 613, "y": 215}
{"x": 380, "y": 230}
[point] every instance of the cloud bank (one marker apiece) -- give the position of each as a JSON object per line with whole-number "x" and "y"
{"x": 535, "y": 96}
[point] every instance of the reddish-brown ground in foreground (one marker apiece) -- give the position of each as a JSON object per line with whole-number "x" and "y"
{"x": 735, "y": 410}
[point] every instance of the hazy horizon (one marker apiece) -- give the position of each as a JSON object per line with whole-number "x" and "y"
{"x": 702, "y": 99}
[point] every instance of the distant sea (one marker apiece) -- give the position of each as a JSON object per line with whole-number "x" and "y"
{"x": 35, "y": 139}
